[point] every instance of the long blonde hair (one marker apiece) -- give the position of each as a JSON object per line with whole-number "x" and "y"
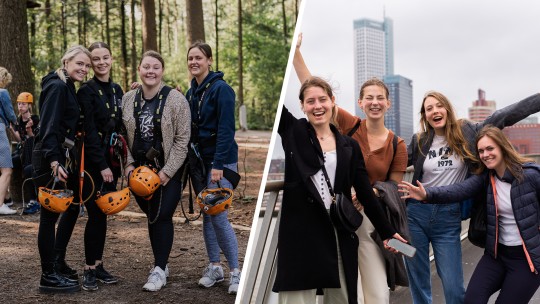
{"x": 452, "y": 129}
{"x": 5, "y": 77}
{"x": 68, "y": 56}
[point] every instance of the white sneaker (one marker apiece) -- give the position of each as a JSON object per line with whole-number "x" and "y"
{"x": 156, "y": 280}
{"x": 166, "y": 270}
{"x": 211, "y": 275}
{"x": 5, "y": 210}
{"x": 234, "y": 280}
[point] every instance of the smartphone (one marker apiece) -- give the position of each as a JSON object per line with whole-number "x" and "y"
{"x": 404, "y": 248}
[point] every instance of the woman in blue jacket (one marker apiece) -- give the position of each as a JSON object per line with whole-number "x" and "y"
{"x": 212, "y": 103}
{"x": 512, "y": 257}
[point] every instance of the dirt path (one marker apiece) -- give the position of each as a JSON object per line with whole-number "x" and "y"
{"x": 128, "y": 254}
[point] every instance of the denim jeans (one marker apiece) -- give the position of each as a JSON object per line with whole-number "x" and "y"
{"x": 217, "y": 230}
{"x": 439, "y": 225}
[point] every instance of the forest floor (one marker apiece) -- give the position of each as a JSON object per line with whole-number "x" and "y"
{"x": 127, "y": 250}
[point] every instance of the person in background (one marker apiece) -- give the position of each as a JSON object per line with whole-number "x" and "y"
{"x": 315, "y": 252}
{"x": 442, "y": 154}
{"x": 24, "y": 131}
{"x": 512, "y": 184}
{"x": 102, "y": 99}
{"x": 7, "y": 117}
{"x": 382, "y": 164}
{"x": 157, "y": 119}
{"x": 212, "y": 103}
{"x": 57, "y": 153}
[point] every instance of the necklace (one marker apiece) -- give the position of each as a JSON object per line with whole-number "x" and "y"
{"x": 324, "y": 137}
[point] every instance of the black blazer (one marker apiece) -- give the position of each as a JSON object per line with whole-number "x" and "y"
{"x": 307, "y": 246}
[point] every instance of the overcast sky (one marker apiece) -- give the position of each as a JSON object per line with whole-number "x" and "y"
{"x": 452, "y": 46}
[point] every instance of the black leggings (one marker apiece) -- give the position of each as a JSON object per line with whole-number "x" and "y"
{"x": 95, "y": 231}
{"x": 161, "y": 232}
{"x": 48, "y": 240}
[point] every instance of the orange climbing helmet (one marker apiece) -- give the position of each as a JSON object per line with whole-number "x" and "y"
{"x": 25, "y": 97}
{"x": 214, "y": 201}
{"x": 144, "y": 181}
{"x": 114, "y": 201}
{"x": 55, "y": 200}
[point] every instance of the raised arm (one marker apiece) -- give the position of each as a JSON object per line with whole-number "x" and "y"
{"x": 299, "y": 64}
{"x": 513, "y": 113}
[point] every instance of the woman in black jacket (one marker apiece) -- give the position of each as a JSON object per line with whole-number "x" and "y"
{"x": 314, "y": 251}
{"x": 56, "y": 154}
{"x": 101, "y": 99}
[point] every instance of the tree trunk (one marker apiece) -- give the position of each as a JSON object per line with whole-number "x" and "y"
{"x": 149, "y": 31}
{"x": 240, "y": 92}
{"x": 123, "y": 45}
{"x": 14, "y": 49}
{"x": 216, "y": 28}
{"x": 284, "y": 16}
{"x": 133, "y": 44}
{"x": 64, "y": 30}
{"x": 49, "y": 40}
{"x": 107, "y": 23}
{"x": 195, "y": 21}
{"x": 160, "y": 23}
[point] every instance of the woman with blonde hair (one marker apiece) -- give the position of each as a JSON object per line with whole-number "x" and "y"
{"x": 57, "y": 152}
{"x": 7, "y": 117}
{"x": 511, "y": 185}
{"x": 442, "y": 154}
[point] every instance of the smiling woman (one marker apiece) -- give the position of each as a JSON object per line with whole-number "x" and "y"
{"x": 56, "y": 152}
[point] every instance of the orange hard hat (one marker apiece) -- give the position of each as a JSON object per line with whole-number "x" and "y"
{"x": 215, "y": 201}
{"x": 55, "y": 200}
{"x": 25, "y": 97}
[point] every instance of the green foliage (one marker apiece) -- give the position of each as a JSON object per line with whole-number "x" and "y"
{"x": 265, "y": 45}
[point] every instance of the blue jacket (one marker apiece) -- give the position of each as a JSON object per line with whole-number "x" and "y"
{"x": 501, "y": 118}
{"x": 7, "y": 114}
{"x": 215, "y": 120}
{"x": 525, "y": 198}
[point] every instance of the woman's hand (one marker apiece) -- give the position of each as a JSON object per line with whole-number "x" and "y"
{"x": 164, "y": 178}
{"x": 59, "y": 172}
{"x": 134, "y": 85}
{"x": 410, "y": 191}
{"x": 356, "y": 203}
{"x": 128, "y": 170}
{"x": 396, "y": 236}
{"x": 216, "y": 175}
{"x": 299, "y": 41}
{"x": 107, "y": 175}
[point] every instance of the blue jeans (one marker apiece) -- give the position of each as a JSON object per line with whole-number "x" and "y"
{"x": 439, "y": 225}
{"x": 217, "y": 230}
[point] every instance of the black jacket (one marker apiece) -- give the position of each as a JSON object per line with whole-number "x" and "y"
{"x": 98, "y": 123}
{"x": 307, "y": 246}
{"x": 59, "y": 112}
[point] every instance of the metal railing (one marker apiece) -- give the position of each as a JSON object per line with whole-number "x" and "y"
{"x": 257, "y": 287}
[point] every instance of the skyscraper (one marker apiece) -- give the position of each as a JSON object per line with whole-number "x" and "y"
{"x": 374, "y": 57}
{"x": 399, "y": 118}
{"x": 481, "y": 107}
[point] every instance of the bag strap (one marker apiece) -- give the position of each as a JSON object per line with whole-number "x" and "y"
{"x": 394, "y": 145}
{"x": 356, "y": 126}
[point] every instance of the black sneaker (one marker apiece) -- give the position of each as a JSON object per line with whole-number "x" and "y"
{"x": 64, "y": 270}
{"x": 89, "y": 280}
{"x": 104, "y": 276}
{"x": 51, "y": 282}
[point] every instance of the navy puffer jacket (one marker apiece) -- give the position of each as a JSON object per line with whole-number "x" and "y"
{"x": 525, "y": 197}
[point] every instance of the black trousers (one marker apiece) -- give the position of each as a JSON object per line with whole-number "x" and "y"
{"x": 509, "y": 273}
{"x": 160, "y": 210}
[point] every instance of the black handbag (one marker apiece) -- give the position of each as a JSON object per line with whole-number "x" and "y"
{"x": 342, "y": 211}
